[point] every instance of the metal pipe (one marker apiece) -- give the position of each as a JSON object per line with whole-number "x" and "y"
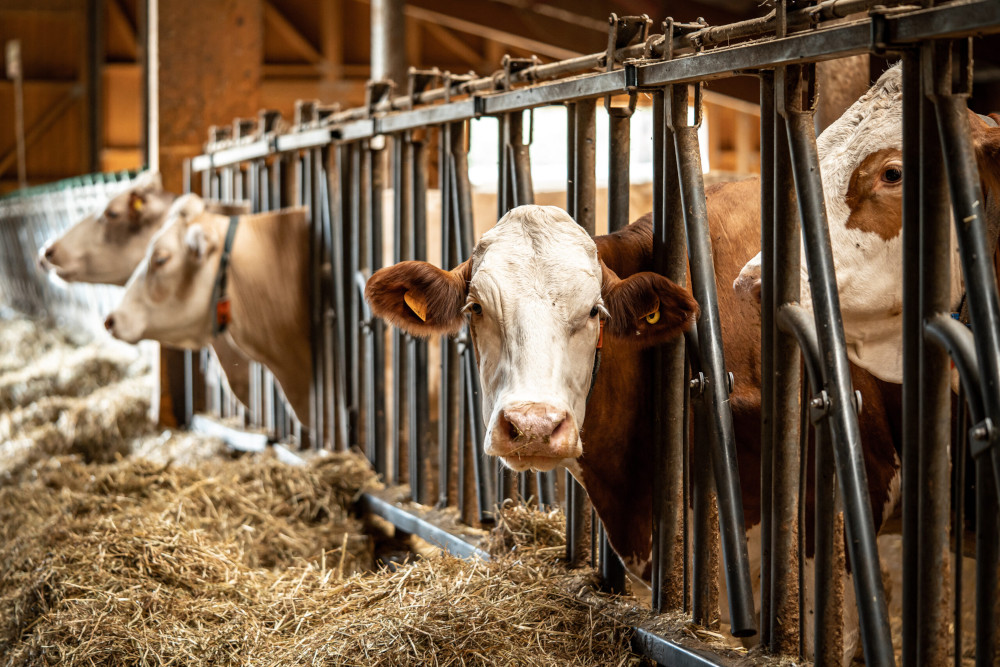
{"x": 731, "y": 524}
{"x": 669, "y": 386}
{"x": 862, "y": 549}
{"x": 786, "y": 382}
{"x": 419, "y": 405}
{"x": 388, "y": 41}
{"x": 912, "y": 335}
{"x": 401, "y": 435}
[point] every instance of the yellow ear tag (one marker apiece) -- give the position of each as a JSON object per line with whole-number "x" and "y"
{"x": 137, "y": 204}
{"x": 653, "y": 317}
{"x": 417, "y": 304}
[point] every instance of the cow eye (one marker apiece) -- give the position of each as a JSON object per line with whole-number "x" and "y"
{"x": 892, "y": 174}
{"x": 594, "y": 311}
{"x": 112, "y": 215}
{"x": 160, "y": 258}
{"x": 476, "y": 308}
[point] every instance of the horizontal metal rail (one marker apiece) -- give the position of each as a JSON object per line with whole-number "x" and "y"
{"x": 906, "y": 28}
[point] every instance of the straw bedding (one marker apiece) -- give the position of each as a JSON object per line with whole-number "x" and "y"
{"x": 120, "y": 545}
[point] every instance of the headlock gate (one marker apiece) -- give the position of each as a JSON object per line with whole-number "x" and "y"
{"x": 338, "y": 163}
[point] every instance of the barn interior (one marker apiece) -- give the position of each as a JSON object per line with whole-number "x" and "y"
{"x": 148, "y": 516}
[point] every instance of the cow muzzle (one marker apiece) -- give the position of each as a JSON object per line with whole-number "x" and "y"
{"x": 534, "y": 436}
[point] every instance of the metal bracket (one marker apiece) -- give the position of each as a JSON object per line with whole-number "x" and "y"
{"x": 268, "y": 121}
{"x": 376, "y": 92}
{"x": 819, "y": 407}
{"x": 305, "y": 113}
{"x": 418, "y": 80}
{"x": 512, "y": 66}
{"x": 244, "y": 128}
{"x": 623, "y": 31}
{"x": 880, "y": 30}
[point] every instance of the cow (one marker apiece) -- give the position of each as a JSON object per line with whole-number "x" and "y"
{"x": 533, "y": 293}
{"x": 169, "y": 297}
{"x": 862, "y": 168}
{"x": 107, "y": 247}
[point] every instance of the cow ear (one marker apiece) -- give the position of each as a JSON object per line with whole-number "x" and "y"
{"x": 987, "y": 145}
{"x": 137, "y": 200}
{"x": 420, "y": 298}
{"x": 646, "y": 309}
{"x": 197, "y": 242}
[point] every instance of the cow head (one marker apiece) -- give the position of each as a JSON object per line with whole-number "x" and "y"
{"x": 534, "y": 294}
{"x": 105, "y": 248}
{"x": 862, "y": 168}
{"x": 168, "y": 298}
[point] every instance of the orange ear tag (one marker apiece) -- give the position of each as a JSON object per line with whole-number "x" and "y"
{"x": 417, "y": 304}
{"x": 137, "y": 204}
{"x": 223, "y": 315}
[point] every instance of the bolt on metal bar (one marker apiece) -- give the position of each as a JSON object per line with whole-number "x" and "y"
{"x": 786, "y": 381}
{"x": 862, "y": 549}
{"x": 716, "y": 396}
{"x": 669, "y": 405}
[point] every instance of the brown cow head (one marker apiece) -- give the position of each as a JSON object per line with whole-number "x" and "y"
{"x": 534, "y": 294}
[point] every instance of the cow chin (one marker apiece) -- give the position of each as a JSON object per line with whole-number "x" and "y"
{"x": 533, "y": 463}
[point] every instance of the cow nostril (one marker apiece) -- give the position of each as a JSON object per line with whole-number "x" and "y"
{"x": 109, "y": 323}
{"x": 50, "y": 251}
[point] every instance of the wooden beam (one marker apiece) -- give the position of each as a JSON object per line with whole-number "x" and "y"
{"x": 290, "y": 34}
{"x": 42, "y": 125}
{"x": 451, "y": 41}
{"x": 414, "y": 42}
{"x": 294, "y": 71}
{"x": 331, "y": 16}
{"x": 40, "y": 6}
{"x": 120, "y": 25}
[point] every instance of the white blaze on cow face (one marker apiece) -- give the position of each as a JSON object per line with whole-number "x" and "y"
{"x": 861, "y": 166}
{"x": 169, "y": 296}
{"x": 106, "y": 247}
{"x": 534, "y": 309}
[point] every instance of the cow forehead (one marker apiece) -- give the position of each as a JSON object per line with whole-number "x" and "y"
{"x": 872, "y": 123}
{"x": 537, "y": 251}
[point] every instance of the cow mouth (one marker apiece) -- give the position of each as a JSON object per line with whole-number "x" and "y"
{"x": 533, "y": 463}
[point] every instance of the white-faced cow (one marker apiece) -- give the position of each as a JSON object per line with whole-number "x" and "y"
{"x": 169, "y": 297}
{"x": 108, "y": 246}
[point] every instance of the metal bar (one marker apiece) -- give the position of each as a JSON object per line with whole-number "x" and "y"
{"x": 669, "y": 652}
{"x": 669, "y": 389}
{"x": 419, "y": 403}
{"x": 584, "y": 164}
{"x": 768, "y": 179}
{"x": 785, "y": 381}
{"x": 935, "y": 390}
{"x": 400, "y": 251}
{"x": 967, "y": 208}
{"x": 334, "y": 223}
{"x": 987, "y": 554}
{"x": 415, "y": 525}
{"x": 716, "y": 396}
{"x": 862, "y": 549}
{"x": 912, "y": 335}
{"x": 450, "y": 426}
{"x": 619, "y": 137}
{"x": 353, "y": 344}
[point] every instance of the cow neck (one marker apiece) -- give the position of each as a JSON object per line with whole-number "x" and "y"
{"x": 220, "y": 299}
{"x": 269, "y": 289}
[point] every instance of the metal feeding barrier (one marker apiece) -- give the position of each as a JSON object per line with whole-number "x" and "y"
{"x": 31, "y": 217}
{"x": 340, "y": 163}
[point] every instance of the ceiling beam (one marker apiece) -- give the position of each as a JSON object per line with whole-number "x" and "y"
{"x": 453, "y": 43}
{"x": 121, "y": 26}
{"x": 290, "y": 34}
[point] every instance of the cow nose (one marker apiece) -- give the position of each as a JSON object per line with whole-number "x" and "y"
{"x": 109, "y": 323}
{"x": 533, "y": 421}
{"x": 50, "y": 251}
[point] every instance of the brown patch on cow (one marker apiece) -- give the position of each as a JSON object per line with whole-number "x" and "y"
{"x": 875, "y": 197}
{"x": 441, "y": 294}
{"x": 631, "y": 302}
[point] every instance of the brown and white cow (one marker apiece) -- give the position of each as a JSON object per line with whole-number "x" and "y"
{"x": 168, "y": 298}
{"x": 533, "y": 292}
{"x": 862, "y": 168}
{"x": 108, "y": 246}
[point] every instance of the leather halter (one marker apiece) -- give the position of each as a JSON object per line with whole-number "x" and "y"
{"x": 221, "y": 313}
{"x": 597, "y": 361}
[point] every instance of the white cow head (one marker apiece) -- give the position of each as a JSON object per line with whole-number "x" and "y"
{"x": 169, "y": 296}
{"x": 534, "y": 293}
{"x": 861, "y": 164}
{"x": 106, "y": 247}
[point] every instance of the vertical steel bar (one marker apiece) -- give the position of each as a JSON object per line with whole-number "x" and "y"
{"x": 768, "y": 180}
{"x": 417, "y": 348}
{"x": 716, "y": 395}
{"x": 987, "y": 554}
{"x": 786, "y": 382}
{"x": 669, "y": 386}
{"x": 619, "y": 140}
{"x": 449, "y": 425}
{"x": 862, "y": 549}
{"x": 912, "y": 335}
{"x": 400, "y": 251}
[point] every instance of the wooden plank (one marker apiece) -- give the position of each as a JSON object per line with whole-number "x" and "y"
{"x": 453, "y": 43}
{"x": 120, "y": 29}
{"x": 290, "y": 34}
{"x": 42, "y": 125}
